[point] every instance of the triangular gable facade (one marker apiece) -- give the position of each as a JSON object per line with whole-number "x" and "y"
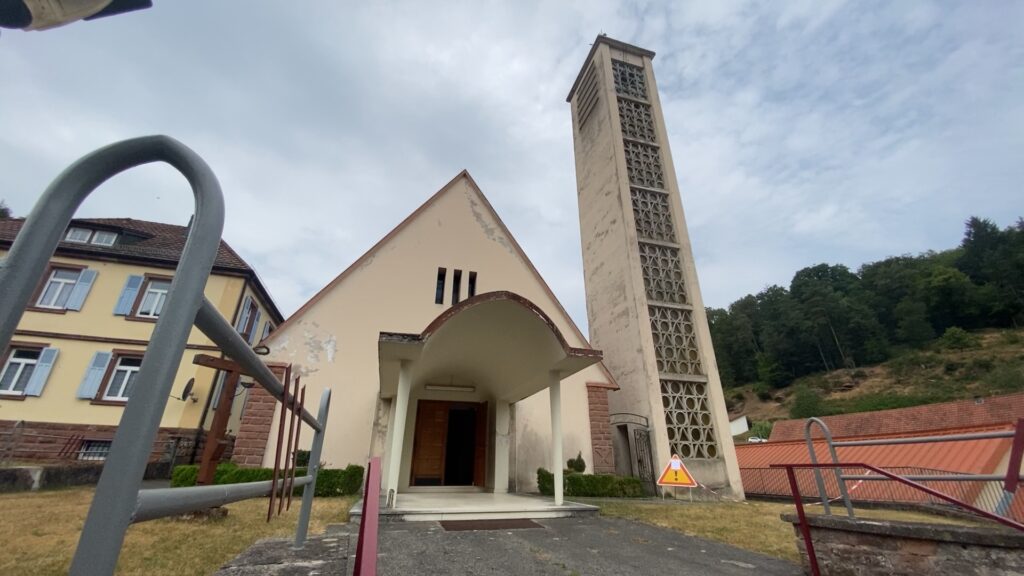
{"x": 332, "y": 339}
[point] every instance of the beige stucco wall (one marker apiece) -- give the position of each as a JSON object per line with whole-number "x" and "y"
{"x": 85, "y": 331}
{"x": 333, "y": 342}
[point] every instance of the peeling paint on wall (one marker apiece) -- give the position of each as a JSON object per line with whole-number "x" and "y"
{"x": 490, "y": 231}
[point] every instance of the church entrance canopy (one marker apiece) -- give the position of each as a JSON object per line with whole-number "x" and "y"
{"x": 489, "y": 351}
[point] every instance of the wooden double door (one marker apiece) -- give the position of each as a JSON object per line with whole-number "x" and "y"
{"x": 450, "y": 444}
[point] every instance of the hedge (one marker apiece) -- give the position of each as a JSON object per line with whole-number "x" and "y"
{"x": 329, "y": 482}
{"x": 593, "y": 485}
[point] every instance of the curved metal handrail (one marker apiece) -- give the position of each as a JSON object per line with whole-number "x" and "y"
{"x": 111, "y": 512}
{"x": 835, "y": 460}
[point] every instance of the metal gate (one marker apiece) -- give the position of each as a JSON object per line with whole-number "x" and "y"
{"x": 644, "y": 460}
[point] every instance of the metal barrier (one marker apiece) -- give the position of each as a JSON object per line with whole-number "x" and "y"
{"x": 879, "y": 473}
{"x": 113, "y": 507}
{"x": 1010, "y": 479}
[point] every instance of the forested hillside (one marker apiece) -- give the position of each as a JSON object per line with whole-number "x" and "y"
{"x": 832, "y": 318}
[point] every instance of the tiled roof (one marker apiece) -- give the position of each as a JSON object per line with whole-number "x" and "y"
{"x": 982, "y": 456}
{"x": 141, "y": 240}
{"x": 917, "y": 420}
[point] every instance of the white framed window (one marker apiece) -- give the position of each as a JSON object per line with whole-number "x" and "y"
{"x": 122, "y": 380}
{"x": 94, "y": 450}
{"x": 153, "y": 298}
{"x": 79, "y": 235}
{"x": 103, "y": 238}
{"x": 17, "y": 371}
{"x": 58, "y": 288}
{"x": 89, "y": 236}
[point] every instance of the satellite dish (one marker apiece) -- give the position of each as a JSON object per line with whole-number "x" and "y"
{"x": 187, "y": 392}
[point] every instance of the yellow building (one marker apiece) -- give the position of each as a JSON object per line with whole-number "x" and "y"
{"x": 72, "y": 363}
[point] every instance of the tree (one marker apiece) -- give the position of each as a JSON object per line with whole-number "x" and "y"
{"x": 912, "y": 326}
{"x": 5, "y": 212}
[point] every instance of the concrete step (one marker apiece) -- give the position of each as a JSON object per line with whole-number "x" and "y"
{"x": 442, "y": 508}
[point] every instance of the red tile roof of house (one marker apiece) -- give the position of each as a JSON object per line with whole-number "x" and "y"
{"x": 143, "y": 240}
{"x": 917, "y": 420}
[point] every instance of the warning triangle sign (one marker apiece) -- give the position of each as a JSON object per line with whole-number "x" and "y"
{"x": 676, "y": 474}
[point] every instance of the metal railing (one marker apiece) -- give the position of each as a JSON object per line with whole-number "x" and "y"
{"x": 118, "y": 501}
{"x": 1010, "y": 480}
{"x": 878, "y": 474}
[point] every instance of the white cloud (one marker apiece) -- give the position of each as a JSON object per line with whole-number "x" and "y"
{"x": 801, "y": 132}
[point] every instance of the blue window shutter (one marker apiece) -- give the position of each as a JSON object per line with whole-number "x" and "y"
{"x": 81, "y": 290}
{"x": 255, "y": 325}
{"x": 94, "y": 375}
{"x": 244, "y": 316}
{"x": 42, "y": 372}
{"x": 128, "y": 295}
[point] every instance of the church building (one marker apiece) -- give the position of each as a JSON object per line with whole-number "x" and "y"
{"x": 451, "y": 359}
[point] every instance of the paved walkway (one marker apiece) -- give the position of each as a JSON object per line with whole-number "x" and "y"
{"x": 562, "y": 547}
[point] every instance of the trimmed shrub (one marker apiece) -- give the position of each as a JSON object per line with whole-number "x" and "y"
{"x": 339, "y": 482}
{"x": 577, "y": 464}
{"x": 592, "y": 485}
{"x": 329, "y": 482}
{"x": 302, "y": 457}
{"x": 545, "y": 482}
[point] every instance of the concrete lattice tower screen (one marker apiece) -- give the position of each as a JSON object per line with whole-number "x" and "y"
{"x": 643, "y": 300}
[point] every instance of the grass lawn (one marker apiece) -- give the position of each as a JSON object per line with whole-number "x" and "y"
{"x": 40, "y": 530}
{"x": 749, "y": 525}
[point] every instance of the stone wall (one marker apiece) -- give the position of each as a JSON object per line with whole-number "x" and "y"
{"x": 600, "y": 430}
{"x": 858, "y": 547}
{"x": 50, "y": 443}
{"x": 254, "y": 430}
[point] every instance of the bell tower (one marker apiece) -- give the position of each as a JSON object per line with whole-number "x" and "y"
{"x": 643, "y": 299}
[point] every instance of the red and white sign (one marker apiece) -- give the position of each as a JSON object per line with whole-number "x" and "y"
{"x": 676, "y": 474}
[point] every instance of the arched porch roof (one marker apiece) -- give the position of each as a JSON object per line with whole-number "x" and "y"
{"x": 498, "y": 342}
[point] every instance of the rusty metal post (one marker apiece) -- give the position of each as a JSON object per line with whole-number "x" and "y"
{"x": 295, "y": 448}
{"x": 213, "y": 447}
{"x": 289, "y": 461}
{"x": 280, "y": 439}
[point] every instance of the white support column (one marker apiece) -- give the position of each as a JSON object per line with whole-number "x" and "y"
{"x": 394, "y": 455}
{"x": 501, "y": 442}
{"x": 555, "y": 394}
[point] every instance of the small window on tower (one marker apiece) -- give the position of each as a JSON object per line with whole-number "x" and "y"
{"x": 472, "y": 284}
{"x": 439, "y": 293}
{"x": 456, "y": 285}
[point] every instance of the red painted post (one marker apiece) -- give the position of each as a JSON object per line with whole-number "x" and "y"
{"x": 366, "y": 546}
{"x": 1016, "y": 453}
{"x": 805, "y": 529}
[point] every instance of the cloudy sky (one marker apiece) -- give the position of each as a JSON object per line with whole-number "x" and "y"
{"x": 803, "y": 131}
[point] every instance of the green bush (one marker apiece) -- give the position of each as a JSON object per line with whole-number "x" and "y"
{"x": 329, "y": 482}
{"x": 956, "y": 338}
{"x": 302, "y": 457}
{"x": 762, "y": 429}
{"x": 577, "y": 464}
{"x": 807, "y": 403}
{"x": 339, "y": 482}
{"x": 592, "y": 485}
{"x": 763, "y": 391}
{"x": 545, "y": 482}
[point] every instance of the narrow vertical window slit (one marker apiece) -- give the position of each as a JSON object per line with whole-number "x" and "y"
{"x": 456, "y": 285}
{"x": 439, "y": 292}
